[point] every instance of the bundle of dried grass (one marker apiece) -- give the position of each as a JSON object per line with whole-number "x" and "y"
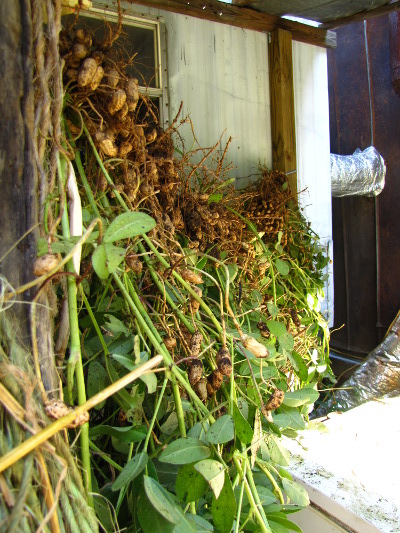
{"x": 44, "y": 491}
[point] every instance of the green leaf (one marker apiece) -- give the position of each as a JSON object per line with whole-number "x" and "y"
{"x": 128, "y": 225}
{"x": 282, "y": 267}
{"x": 298, "y": 365}
{"x": 122, "y": 397}
{"x": 121, "y": 346}
{"x": 297, "y": 494}
{"x": 268, "y": 370}
{"x": 286, "y": 341}
{"x": 131, "y": 470}
{"x": 273, "y": 309}
{"x": 201, "y": 525}
{"x": 278, "y": 453}
{"x": 213, "y": 473}
{"x": 157, "y": 510}
{"x": 97, "y": 380}
{"x": 127, "y": 434}
{"x": 301, "y": 397}
{"x": 232, "y": 270}
{"x": 198, "y": 431}
{"x": 224, "y": 507}
{"x": 222, "y": 430}
{"x": 184, "y": 451}
{"x": 190, "y": 485}
{"x": 244, "y": 431}
{"x": 276, "y": 328}
{"x": 106, "y": 259}
{"x": 266, "y": 496}
{"x": 150, "y": 380}
{"x": 115, "y": 326}
{"x": 289, "y": 417}
{"x": 280, "y": 520}
{"x": 170, "y": 425}
{"x": 217, "y": 197}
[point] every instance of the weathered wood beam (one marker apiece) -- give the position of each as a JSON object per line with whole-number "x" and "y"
{"x": 18, "y": 181}
{"x": 243, "y": 17}
{"x": 363, "y": 15}
{"x": 282, "y": 106}
{"x": 394, "y": 41}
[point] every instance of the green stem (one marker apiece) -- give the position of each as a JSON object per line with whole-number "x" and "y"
{"x": 178, "y": 405}
{"x": 85, "y": 184}
{"x": 272, "y": 273}
{"x": 75, "y": 365}
{"x": 277, "y": 490}
{"x": 262, "y": 523}
{"x": 156, "y": 409}
{"x": 123, "y": 491}
{"x": 105, "y": 457}
{"x": 184, "y": 284}
{"x": 253, "y": 488}
{"x": 161, "y": 349}
{"x": 240, "y": 502}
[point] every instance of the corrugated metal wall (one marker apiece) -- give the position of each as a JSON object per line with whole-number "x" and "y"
{"x": 220, "y": 73}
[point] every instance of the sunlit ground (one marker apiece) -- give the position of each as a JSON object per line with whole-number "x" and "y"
{"x": 356, "y": 463}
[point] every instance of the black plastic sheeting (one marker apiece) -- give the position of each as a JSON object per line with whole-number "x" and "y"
{"x": 376, "y": 378}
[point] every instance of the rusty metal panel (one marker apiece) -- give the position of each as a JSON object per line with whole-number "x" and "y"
{"x": 365, "y": 110}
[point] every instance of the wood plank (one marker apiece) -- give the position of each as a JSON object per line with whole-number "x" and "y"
{"x": 243, "y": 17}
{"x": 394, "y": 40}
{"x": 18, "y": 183}
{"x": 363, "y": 15}
{"x": 282, "y": 105}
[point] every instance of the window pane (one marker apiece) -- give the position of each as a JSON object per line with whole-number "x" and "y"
{"x": 137, "y": 45}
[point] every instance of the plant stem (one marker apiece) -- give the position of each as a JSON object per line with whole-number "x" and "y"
{"x": 82, "y": 174}
{"x": 186, "y": 285}
{"x": 160, "y": 349}
{"x": 252, "y": 485}
{"x": 75, "y": 365}
{"x": 240, "y": 502}
{"x": 156, "y": 409}
{"x": 178, "y": 404}
{"x": 262, "y": 523}
{"x": 277, "y": 490}
{"x": 105, "y": 457}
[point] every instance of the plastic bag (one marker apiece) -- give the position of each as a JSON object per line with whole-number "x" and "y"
{"x": 377, "y": 377}
{"x": 360, "y": 174}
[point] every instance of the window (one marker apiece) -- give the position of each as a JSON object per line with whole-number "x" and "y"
{"x": 139, "y": 44}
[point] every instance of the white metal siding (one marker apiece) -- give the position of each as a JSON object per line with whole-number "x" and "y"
{"x": 221, "y": 75}
{"x": 310, "y": 77}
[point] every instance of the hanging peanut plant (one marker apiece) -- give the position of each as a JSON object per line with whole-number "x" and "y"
{"x": 172, "y": 261}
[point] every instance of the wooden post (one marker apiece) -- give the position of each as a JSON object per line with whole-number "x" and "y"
{"x": 282, "y": 106}
{"x": 394, "y": 40}
{"x": 18, "y": 180}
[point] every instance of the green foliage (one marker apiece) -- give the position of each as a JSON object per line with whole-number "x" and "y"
{"x": 184, "y": 451}
{"x": 222, "y": 431}
{"x": 131, "y": 470}
{"x": 128, "y": 225}
{"x": 183, "y": 463}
